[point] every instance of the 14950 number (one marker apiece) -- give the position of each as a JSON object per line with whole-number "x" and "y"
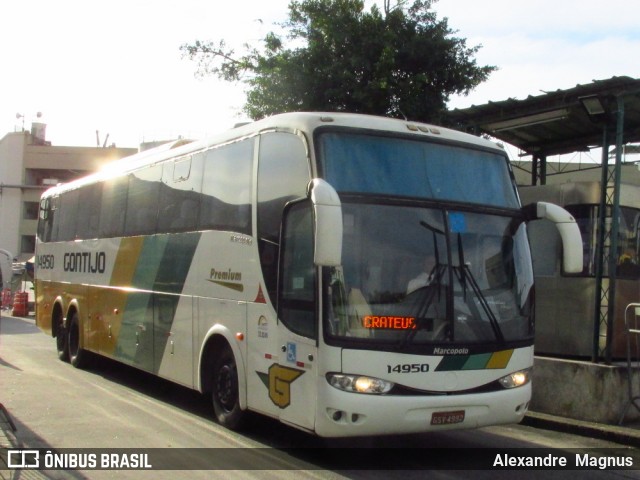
{"x": 408, "y": 368}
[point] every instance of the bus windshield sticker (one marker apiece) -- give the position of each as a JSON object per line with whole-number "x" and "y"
{"x": 457, "y": 222}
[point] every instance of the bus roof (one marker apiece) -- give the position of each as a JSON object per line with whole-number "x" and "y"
{"x": 301, "y": 121}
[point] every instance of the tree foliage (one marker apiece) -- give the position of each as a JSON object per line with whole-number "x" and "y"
{"x": 400, "y": 61}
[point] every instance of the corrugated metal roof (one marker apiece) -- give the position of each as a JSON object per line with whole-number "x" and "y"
{"x": 556, "y": 122}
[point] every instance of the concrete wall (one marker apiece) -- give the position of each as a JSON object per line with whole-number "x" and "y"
{"x": 12, "y": 148}
{"x": 583, "y": 390}
{"x": 88, "y": 159}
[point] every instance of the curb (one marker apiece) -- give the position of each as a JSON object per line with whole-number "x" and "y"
{"x": 7, "y": 440}
{"x": 613, "y": 433}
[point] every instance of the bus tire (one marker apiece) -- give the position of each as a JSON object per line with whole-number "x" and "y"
{"x": 77, "y": 355}
{"x": 62, "y": 344}
{"x": 225, "y": 392}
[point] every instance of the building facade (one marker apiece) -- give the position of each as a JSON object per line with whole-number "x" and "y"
{"x": 28, "y": 166}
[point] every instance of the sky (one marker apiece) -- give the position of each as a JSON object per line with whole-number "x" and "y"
{"x": 115, "y": 67}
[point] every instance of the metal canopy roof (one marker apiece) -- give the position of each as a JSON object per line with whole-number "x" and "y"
{"x": 557, "y": 122}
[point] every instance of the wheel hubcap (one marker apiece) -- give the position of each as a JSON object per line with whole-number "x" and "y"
{"x": 226, "y": 388}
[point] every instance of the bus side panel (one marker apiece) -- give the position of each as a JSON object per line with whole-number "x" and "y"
{"x": 107, "y": 305}
{"x": 225, "y": 279}
{"x": 109, "y": 298}
{"x": 172, "y": 305}
{"x": 44, "y": 305}
{"x": 136, "y": 336}
{"x": 173, "y": 342}
{"x": 151, "y": 321}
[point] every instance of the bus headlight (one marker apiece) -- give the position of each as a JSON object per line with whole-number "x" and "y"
{"x": 516, "y": 379}
{"x": 359, "y": 383}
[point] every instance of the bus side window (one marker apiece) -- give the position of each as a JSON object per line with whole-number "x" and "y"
{"x": 180, "y": 194}
{"x": 226, "y": 188}
{"x": 142, "y": 201}
{"x": 283, "y": 175}
{"x": 47, "y": 220}
{"x": 69, "y": 209}
{"x": 89, "y": 211}
{"x": 114, "y": 203}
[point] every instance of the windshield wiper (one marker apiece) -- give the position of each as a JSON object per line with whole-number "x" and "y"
{"x": 465, "y": 275}
{"x": 429, "y": 294}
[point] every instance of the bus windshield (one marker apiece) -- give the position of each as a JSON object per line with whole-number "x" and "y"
{"x": 368, "y": 164}
{"x": 425, "y": 271}
{"x": 430, "y": 276}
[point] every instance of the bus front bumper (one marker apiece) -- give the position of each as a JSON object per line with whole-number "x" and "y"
{"x": 344, "y": 414}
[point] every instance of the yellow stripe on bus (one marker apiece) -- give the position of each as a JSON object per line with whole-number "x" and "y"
{"x": 500, "y": 359}
{"x": 126, "y": 261}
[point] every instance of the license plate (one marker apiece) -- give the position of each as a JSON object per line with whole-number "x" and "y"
{"x": 447, "y": 418}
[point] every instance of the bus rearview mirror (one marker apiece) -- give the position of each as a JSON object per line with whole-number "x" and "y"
{"x": 568, "y": 229}
{"x": 327, "y": 217}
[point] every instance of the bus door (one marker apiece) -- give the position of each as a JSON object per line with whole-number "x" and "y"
{"x": 294, "y": 381}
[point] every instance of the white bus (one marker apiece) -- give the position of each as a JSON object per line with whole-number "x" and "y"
{"x": 345, "y": 274}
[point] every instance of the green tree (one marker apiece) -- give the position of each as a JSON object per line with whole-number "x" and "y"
{"x": 400, "y": 61}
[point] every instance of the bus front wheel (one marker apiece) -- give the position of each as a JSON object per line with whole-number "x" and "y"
{"x": 225, "y": 392}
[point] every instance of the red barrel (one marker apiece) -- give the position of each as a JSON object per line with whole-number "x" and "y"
{"x": 20, "y": 304}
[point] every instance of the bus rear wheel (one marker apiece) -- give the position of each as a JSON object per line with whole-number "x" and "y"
{"x": 77, "y": 355}
{"x": 62, "y": 344}
{"x": 225, "y": 392}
